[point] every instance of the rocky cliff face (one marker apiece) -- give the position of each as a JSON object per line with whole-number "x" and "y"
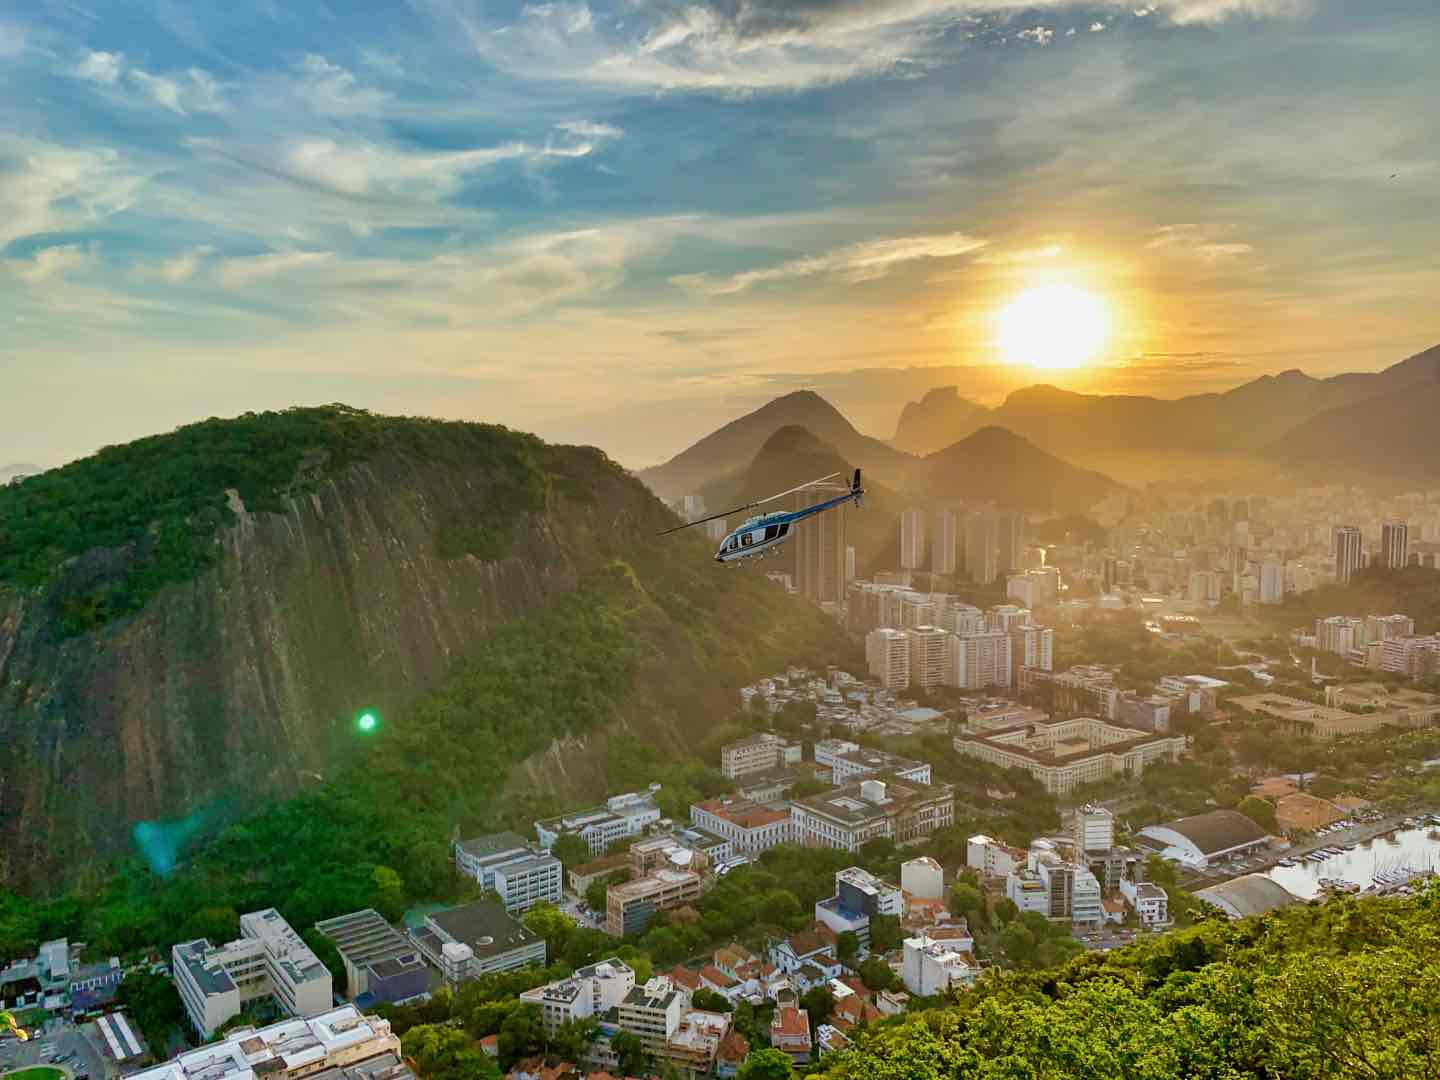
{"x": 247, "y": 679}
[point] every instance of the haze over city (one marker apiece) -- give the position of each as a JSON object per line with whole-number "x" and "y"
{"x": 622, "y": 225}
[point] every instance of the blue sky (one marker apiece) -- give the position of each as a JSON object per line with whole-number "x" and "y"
{"x": 622, "y": 222}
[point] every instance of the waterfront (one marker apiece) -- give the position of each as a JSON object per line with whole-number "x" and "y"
{"x": 1417, "y": 848}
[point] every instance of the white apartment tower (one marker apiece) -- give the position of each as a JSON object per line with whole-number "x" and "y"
{"x": 1272, "y": 581}
{"x": 1394, "y": 544}
{"x": 980, "y": 660}
{"x": 912, "y": 539}
{"x": 1348, "y": 552}
{"x": 1033, "y": 647}
{"x": 945, "y": 543}
{"x": 928, "y": 656}
{"x": 887, "y": 653}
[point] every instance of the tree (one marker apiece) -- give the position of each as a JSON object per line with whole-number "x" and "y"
{"x": 969, "y": 901}
{"x": 389, "y": 898}
{"x": 819, "y": 1002}
{"x": 552, "y": 924}
{"x": 885, "y": 933}
{"x": 216, "y": 923}
{"x": 877, "y": 974}
{"x": 766, "y": 1064}
{"x": 153, "y": 1004}
{"x": 708, "y": 1000}
{"x": 445, "y": 1053}
{"x": 521, "y": 1034}
{"x": 1005, "y": 911}
{"x": 326, "y": 952}
{"x": 634, "y": 1058}
{"x": 571, "y": 850}
{"x": 847, "y": 947}
{"x": 1261, "y": 811}
{"x": 572, "y": 1039}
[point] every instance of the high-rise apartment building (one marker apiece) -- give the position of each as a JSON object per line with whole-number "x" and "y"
{"x": 1339, "y": 634}
{"x": 1272, "y": 581}
{"x": 1093, "y": 829}
{"x": 1394, "y": 544}
{"x": 945, "y": 542}
{"x": 887, "y": 653}
{"x": 928, "y": 655}
{"x": 980, "y": 660}
{"x": 912, "y": 538}
{"x": 819, "y": 554}
{"x": 1348, "y": 552}
{"x": 982, "y": 547}
{"x": 1033, "y": 647}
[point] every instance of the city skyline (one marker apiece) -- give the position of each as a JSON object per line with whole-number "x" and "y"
{"x": 570, "y": 217}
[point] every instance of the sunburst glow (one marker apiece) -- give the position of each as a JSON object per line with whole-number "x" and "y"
{"x": 1053, "y": 326}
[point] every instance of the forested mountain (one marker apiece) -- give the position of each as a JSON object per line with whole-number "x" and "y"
{"x": 732, "y": 448}
{"x": 189, "y": 624}
{"x": 938, "y": 419}
{"x": 997, "y": 466}
{"x": 1343, "y": 989}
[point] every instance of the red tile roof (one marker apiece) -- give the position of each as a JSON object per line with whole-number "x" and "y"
{"x": 791, "y": 1021}
{"x": 683, "y": 976}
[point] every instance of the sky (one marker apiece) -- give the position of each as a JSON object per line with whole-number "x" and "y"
{"x": 625, "y": 222}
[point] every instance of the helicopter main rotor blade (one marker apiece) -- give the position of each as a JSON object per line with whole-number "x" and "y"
{"x": 702, "y": 521}
{"x": 799, "y": 487}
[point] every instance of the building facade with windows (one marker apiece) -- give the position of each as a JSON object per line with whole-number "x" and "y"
{"x": 522, "y": 873}
{"x": 622, "y": 816}
{"x": 849, "y": 816}
{"x": 268, "y": 960}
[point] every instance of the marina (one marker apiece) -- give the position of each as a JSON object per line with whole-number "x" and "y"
{"x": 1387, "y": 863}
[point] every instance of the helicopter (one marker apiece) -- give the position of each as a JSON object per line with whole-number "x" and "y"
{"x": 760, "y": 536}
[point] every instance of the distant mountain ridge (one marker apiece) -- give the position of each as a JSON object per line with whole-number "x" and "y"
{"x": 994, "y": 465}
{"x": 732, "y": 448}
{"x": 936, "y": 421}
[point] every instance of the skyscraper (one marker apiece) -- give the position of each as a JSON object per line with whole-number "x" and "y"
{"x": 820, "y": 554}
{"x": 912, "y": 539}
{"x": 928, "y": 655}
{"x": 1010, "y": 542}
{"x": 1394, "y": 544}
{"x": 945, "y": 542}
{"x": 1347, "y": 552}
{"x": 1272, "y": 581}
{"x": 887, "y": 652}
{"x": 982, "y": 547}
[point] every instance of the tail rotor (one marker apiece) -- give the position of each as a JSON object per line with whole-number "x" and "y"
{"x": 856, "y": 490}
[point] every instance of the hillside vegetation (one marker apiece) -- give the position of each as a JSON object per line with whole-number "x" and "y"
{"x": 653, "y": 651}
{"x": 148, "y": 513}
{"x": 1347, "y": 989}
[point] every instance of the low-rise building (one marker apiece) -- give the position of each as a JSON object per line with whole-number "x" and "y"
{"x": 1064, "y": 754}
{"x": 849, "y": 816}
{"x": 933, "y": 963}
{"x": 268, "y": 960}
{"x": 1150, "y": 902}
{"x": 586, "y": 874}
{"x": 757, "y": 753}
{"x": 790, "y": 1033}
{"x": 477, "y": 939}
{"x": 1203, "y": 839}
{"x": 864, "y": 763}
{"x": 630, "y": 907}
{"x": 922, "y": 878}
{"x": 991, "y": 857}
{"x": 1299, "y": 717}
{"x": 600, "y": 826}
{"x": 591, "y": 991}
{"x": 652, "y": 1012}
{"x": 859, "y": 895}
{"x": 750, "y": 827}
{"x": 1249, "y": 894}
{"x": 334, "y": 1044}
{"x": 520, "y": 872}
{"x": 382, "y": 965}
{"x": 693, "y": 1047}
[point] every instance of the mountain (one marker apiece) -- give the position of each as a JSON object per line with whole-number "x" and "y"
{"x": 1386, "y": 440}
{"x": 794, "y": 456}
{"x": 190, "y": 623}
{"x": 1151, "y": 438}
{"x": 733, "y": 447}
{"x": 935, "y": 421}
{"x": 995, "y": 465}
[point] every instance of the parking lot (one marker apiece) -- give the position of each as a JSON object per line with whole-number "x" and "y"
{"x": 1110, "y": 937}
{"x": 58, "y": 1043}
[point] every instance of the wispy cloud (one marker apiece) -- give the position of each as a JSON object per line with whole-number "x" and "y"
{"x": 47, "y": 188}
{"x": 332, "y": 90}
{"x": 855, "y": 263}
{"x": 588, "y": 129}
{"x": 54, "y": 262}
{"x": 1206, "y": 242}
{"x": 184, "y": 266}
{"x": 190, "y": 91}
{"x": 240, "y": 271}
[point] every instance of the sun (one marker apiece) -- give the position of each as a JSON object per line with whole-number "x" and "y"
{"x": 1053, "y": 326}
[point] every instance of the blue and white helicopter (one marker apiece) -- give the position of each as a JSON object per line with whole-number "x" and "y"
{"x": 763, "y": 534}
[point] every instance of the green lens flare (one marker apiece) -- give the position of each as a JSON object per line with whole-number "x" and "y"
{"x": 368, "y": 721}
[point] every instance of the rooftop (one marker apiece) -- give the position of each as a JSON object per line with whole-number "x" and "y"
{"x": 483, "y": 847}
{"x": 849, "y": 806}
{"x": 1250, "y": 894}
{"x": 485, "y": 926}
{"x": 364, "y": 937}
{"x": 1219, "y": 830}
